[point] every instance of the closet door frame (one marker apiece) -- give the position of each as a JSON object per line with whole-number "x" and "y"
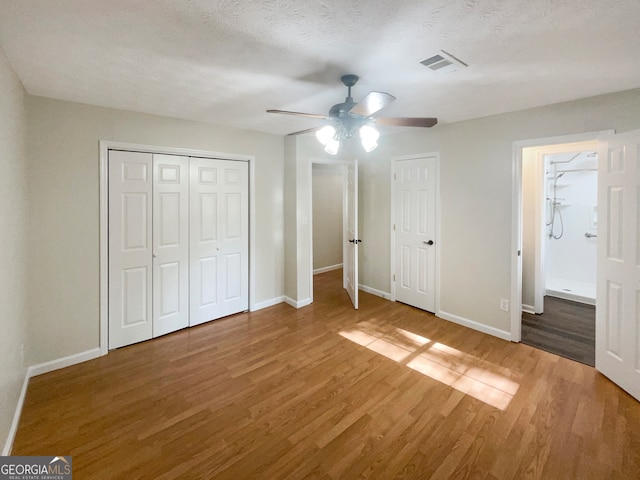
{"x": 105, "y": 146}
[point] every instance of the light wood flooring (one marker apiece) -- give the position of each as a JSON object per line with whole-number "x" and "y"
{"x": 327, "y": 392}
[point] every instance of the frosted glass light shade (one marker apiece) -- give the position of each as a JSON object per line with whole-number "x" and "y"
{"x": 332, "y": 147}
{"x": 369, "y": 138}
{"x": 325, "y": 134}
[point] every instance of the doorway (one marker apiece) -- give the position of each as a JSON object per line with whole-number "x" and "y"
{"x": 328, "y": 232}
{"x": 617, "y": 300}
{"x": 559, "y": 185}
{"x": 559, "y": 240}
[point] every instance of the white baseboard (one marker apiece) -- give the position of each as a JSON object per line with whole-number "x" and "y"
{"x": 46, "y": 367}
{"x": 268, "y": 303}
{"x": 327, "y": 269}
{"x": 375, "y": 291}
{"x": 571, "y": 297}
{"x": 39, "y": 369}
{"x": 465, "y": 322}
{"x": 8, "y": 445}
{"x": 528, "y": 309}
{"x": 297, "y": 303}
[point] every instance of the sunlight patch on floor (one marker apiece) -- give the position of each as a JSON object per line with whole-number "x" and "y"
{"x": 466, "y": 373}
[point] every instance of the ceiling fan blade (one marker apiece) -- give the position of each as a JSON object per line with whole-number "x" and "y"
{"x": 308, "y": 130}
{"x": 373, "y": 102}
{"x": 310, "y": 115}
{"x": 406, "y": 122}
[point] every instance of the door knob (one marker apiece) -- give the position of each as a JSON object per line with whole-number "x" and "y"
{"x": 430, "y": 242}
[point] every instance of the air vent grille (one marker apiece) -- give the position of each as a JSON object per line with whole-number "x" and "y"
{"x": 443, "y": 62}
{"x": 436, "y": 62}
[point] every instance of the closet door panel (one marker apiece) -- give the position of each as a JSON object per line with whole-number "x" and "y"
{"x": 130, "y": 247}
{"x": 219, "y": 238}
{"x": 204, "y": 244}
{"x": 170, "y": 243}
{"x": 234, "y": 234}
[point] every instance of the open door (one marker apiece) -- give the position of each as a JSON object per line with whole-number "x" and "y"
{"x": 350, "y": 279}
{"x": 618, "y": 286}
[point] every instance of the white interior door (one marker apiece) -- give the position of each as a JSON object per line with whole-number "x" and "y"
{"x": 130, "y": 247}
{"x": 350, "y": 252}
{"x": 219, "y": 233}
{"x": 170, "y": 243}
{"x": 618, "y": 284}
{"x": 415, "y": 232}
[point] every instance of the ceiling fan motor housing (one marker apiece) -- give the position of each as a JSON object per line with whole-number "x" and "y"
{"x": 349, "y": 80}
{"x": 341, "y": 110}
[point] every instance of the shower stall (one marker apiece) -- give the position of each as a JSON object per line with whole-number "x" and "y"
{"x": 571, "y": 226}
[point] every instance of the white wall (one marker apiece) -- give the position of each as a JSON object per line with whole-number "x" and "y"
{"x": 64, "y": 234}
{"x": 328, "y": 183}
{"x": 13, "y": 228}
{"x": 476, "y": 178}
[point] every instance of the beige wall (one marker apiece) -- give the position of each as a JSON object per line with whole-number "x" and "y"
{"x": 64, "y": 236}
{"x": 328, "y": 181}
{"x": 13, "y": 228}
{"x": 290, "y": 218}
{"x": 476, "y": 167}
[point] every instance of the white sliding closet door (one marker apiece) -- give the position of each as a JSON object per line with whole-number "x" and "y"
{"x": 130, "y": 260}
{"x": 170, "y": 243}
{"x": 219, "y": 232}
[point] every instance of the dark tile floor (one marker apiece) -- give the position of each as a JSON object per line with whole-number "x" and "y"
{"x": 565, "y": 328}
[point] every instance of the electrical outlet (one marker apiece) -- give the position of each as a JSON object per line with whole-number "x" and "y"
{"x": 504, "y": 304}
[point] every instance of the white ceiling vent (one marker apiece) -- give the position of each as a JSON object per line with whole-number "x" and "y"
{"x": 443, "y": 62}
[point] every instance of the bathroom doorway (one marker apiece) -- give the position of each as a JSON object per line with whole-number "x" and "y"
{"x": 559, "y": 214}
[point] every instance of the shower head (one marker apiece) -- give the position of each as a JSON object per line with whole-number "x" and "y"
{"x": 555, "y": 162}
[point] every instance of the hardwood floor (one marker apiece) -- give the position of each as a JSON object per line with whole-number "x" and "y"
{"x": 327, "y": 392}
{"x": 565, "y": 328}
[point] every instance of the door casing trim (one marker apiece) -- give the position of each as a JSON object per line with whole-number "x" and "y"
{"x": 516, "y": 216}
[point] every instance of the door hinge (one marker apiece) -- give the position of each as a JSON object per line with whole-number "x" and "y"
{"x": 395, "y": 177}
{"x": 394, "y": 277}
{"x": 394, "y": 227}
{"x": 519, "y": 252}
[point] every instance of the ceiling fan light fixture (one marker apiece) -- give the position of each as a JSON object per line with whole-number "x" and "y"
{"x": 326, "y": 134}
{"x": 348, "y": 120}
{"x": 332, "y": 147}
{"x": 369, "y": 138}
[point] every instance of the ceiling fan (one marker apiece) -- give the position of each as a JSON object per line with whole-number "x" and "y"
{"x": 351, "y": 119}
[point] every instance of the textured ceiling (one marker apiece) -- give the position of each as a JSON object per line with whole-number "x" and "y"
{"x": 227, "y": 61}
